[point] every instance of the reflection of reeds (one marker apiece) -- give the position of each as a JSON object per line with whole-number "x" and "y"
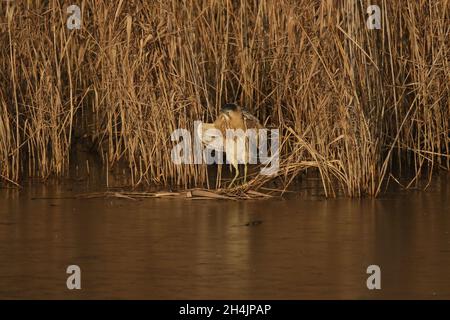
{"x": 353, "y": 103}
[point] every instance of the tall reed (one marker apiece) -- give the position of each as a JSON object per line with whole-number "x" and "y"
{"x": 359, "y": 106}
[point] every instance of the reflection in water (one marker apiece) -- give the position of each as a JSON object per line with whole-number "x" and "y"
{"x": 193, "y": 249}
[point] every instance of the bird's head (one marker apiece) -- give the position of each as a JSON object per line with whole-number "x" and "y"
{"x": 230, "y": 110}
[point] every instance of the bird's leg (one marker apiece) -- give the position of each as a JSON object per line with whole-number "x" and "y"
{"x": 245, "y": 173}
{"x": 218, "y": 176}
{"x": 236, "y": 166}
{"x": 246, "y": 155}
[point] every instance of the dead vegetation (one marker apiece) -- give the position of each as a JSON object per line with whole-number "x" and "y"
{"x": 357, "y": 105}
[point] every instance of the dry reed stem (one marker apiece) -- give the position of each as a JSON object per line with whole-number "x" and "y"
{"x": 352, "y": 103}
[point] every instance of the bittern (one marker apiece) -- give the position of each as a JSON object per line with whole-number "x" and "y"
{"x": 234, "y": 117}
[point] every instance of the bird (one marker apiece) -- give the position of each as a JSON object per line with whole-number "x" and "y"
{"x": 231, "y": 116}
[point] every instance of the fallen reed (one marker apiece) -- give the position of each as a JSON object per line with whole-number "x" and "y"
{"x": 359, "y": 106}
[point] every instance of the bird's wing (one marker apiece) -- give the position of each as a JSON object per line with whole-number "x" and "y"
{"x": 251, "y": 122}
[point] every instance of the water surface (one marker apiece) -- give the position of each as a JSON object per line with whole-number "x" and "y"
{"x": 298, "y": 248}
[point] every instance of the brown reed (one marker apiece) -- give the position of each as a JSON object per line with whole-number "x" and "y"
{"x": 357, "y": 105}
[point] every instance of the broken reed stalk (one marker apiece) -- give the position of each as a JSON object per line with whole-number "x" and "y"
{"x": 190, "y": 194}
{"x": 353, "y": 103}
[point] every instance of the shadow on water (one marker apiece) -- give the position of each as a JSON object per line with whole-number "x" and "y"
{"x": 296, "y": 248}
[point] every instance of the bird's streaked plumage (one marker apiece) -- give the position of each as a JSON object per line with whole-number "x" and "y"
{"x": 234, "y": 117}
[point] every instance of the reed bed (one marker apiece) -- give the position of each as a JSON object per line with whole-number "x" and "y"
{"x": 361, "y": 107}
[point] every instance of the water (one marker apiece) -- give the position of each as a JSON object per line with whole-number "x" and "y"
{"x": 299, "y": 248}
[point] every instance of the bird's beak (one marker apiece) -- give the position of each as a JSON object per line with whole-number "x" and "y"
{"x": 226, "y": 115}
